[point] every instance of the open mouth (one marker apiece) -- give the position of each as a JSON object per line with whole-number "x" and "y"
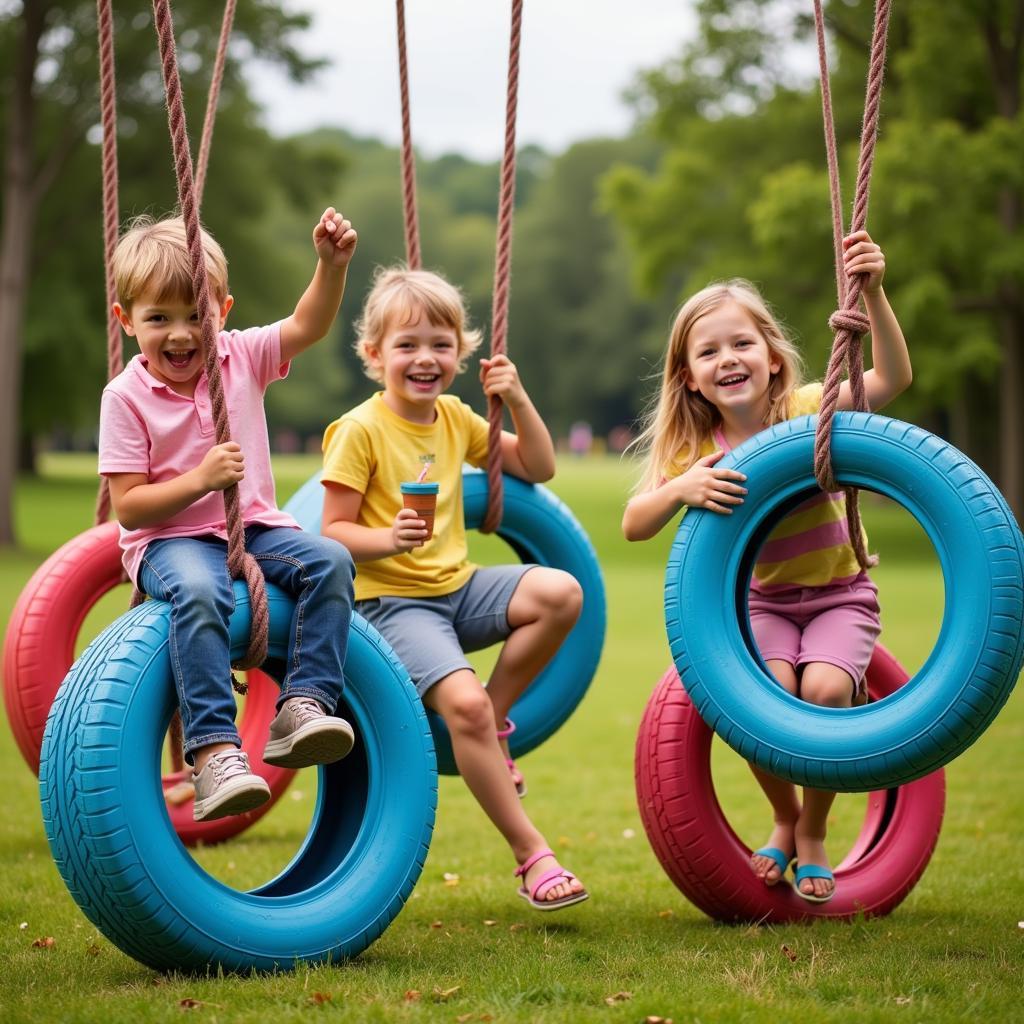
{"x": 734, "y": 380}
{"x": 424, "y": 380}
{"x": 180, "y": 358}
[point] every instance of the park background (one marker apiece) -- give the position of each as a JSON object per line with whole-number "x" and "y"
{"x": 721, "y": 173}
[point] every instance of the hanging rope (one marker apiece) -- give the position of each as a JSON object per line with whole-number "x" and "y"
{"x": 108, "y": 115}
{"x": 502, "y": 274}
{"x": 111, "y": 216}
{"x": 503, "y": 245}
{"x": 211, "y": 100}
{"x": 848, "y": 323}
{"x": 412, "y": 224}
{"x": 241, "y": 565}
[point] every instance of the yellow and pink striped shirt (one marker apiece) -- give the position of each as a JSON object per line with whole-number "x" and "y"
{"x": 810, "y": 547}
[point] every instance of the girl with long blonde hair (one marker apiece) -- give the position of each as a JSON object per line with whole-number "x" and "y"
{"x": 730, "y": 371}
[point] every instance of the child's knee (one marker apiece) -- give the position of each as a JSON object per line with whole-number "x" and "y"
{"x": 826, "y": 685}
{"x": 469, "y": 712}
{"x": 559, "y": 594}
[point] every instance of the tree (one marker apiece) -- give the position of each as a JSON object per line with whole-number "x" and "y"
{"x": 49, "y": 107}
{"x": 741, "y": 189}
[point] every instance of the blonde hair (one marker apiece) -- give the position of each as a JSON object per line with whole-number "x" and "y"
{"x": 398, "y": 294}
{"x": 153, "y": 254}
{"x": 678, "y": 420}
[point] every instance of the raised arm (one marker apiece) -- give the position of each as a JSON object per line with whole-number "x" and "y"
{"x": 890, "y": 374}
{"x": 335, "y": 241}
{"x": 529, "y": 452}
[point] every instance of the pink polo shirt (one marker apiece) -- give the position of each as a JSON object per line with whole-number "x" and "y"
{"x": 146, "y": 427}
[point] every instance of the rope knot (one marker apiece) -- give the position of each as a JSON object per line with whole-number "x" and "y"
{"x": 852, "y": 320}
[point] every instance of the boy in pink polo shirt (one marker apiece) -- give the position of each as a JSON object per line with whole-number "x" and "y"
{"x": 158, "y": 451}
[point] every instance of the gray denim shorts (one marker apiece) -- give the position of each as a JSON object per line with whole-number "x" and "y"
{"x": 429, "y": 634}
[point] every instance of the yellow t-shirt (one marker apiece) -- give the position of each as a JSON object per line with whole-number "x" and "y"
{"x": 811, "y": 546}
{"x": 374, "y": 450}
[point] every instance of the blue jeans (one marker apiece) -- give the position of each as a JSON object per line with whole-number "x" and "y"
{"x": 191, "y": 574}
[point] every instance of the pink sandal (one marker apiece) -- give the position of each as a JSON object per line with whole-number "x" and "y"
{"x": 535, "y": 895}
{"x": 517, "y": 775}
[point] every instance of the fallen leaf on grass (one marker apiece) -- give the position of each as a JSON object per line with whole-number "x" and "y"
{"x": 93, "y": 949}
{"x": 904, "y": 1000}
{"x": 451, "y": 879}
{"x": 517, "y": 927}
{"x": 787, "y": 952}
{"x": 666, "y": 913}
{"x": 48, "y": 943}
{"x": 655, "y": 1019}
{"x": 319, "y": 998}
{"x": 197, "y": 1004}
{"x": 24, "y": 925}
{"x": 564, "y": 841}
{"x": 437, "y": 924}
{"x": 489, "y": 922}
{"x": 412, "y": 995}
{"x": 442, "y": 995}
{"x": 619, "y": 997}
{"x": 628, "y": 833}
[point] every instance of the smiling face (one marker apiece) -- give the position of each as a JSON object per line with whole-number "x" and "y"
{"x": 418, "y": 361}
{"x": 169, "y": 336}
{"x": 729, "y": 362}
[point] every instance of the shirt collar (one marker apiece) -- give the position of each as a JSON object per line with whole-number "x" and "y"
{"x": 138, "y": 365}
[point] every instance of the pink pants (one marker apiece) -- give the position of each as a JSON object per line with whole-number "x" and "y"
{"x": 837, "y": 624}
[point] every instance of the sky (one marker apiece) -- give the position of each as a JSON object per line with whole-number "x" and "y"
{"x": 576, "y": 58}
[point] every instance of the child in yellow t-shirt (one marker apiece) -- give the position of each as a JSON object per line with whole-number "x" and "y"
{"x": 420, "y": 590}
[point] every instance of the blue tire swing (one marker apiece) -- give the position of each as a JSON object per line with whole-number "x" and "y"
{"x": 966, "y": 678}
{"x": 539, "y": 528}
{"x": 528, "y": 517}
{"x": 980, "y": 648}
{"x": 105, "y": 816}
{"x": 114, "y": 845}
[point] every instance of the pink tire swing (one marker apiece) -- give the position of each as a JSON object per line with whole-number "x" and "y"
{"x": 39, "y": 649}
{"x": 710, "y": 865}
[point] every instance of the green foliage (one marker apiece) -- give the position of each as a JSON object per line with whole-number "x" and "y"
{"x": 741, "y": 189}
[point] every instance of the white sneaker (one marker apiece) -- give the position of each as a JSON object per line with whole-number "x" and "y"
{"x": 303, "y": 734}
{"x": 227, "y": 786}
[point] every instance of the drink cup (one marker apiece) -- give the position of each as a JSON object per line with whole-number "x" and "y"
{"x": 421, "y": 497}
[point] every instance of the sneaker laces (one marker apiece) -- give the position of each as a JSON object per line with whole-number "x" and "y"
{"x": 228, "y": 764}
{"x": 305, "y": 709}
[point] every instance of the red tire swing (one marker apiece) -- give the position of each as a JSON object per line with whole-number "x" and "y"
{"x": 40, "y": 647}
{"x": 46, "y": 620}
{"x": 710, "y": 865}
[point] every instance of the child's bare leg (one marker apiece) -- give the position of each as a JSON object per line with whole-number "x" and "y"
{"x": 543, "y": 609}
{"x": 827, "y": 686}
{"x": 467, "y": 711}
{"x": 781, "y": 795}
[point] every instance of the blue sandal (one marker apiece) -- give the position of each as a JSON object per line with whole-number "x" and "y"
{"x": 780, "y": 857}
{"x": 813, "y": 871}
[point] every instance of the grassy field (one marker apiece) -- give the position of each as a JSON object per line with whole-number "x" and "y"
{"x": 472, "y": 951}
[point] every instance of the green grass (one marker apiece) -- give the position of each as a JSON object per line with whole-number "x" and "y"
{"x": 952, "y": 951}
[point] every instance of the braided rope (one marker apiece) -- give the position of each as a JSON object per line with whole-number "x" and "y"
{"x": 848, "y": 323}
{"x": 413, "y": 256}
{"x": 211, "y": 100}
{"x": 241, "y": 565}
{"x": 108, "y": 115}
{"x": 502, "y": 275}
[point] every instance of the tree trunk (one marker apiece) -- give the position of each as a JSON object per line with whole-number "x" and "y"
{"x": 15, "y": 253}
